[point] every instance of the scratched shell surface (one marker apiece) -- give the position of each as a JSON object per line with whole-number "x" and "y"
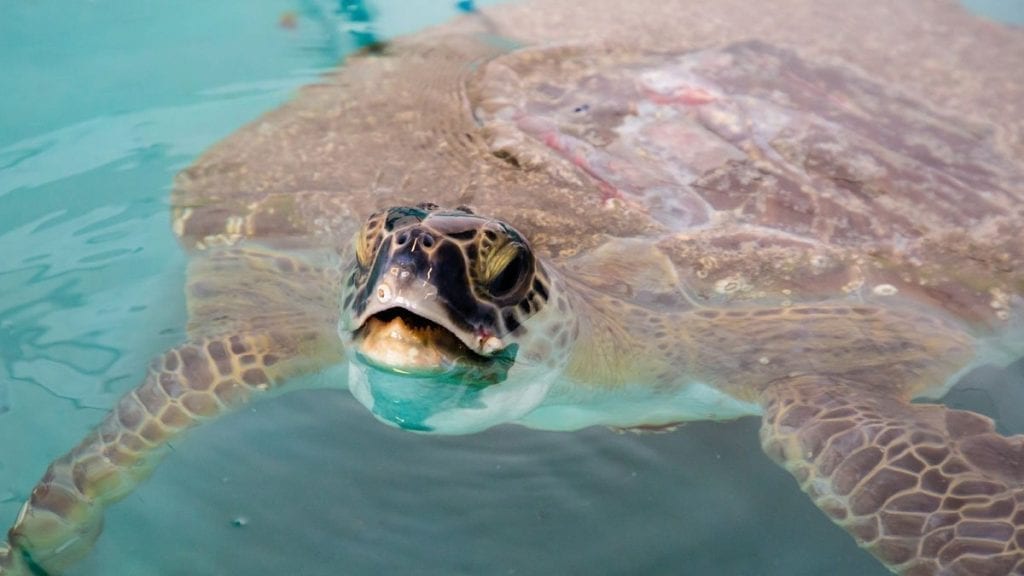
{"x": 793, "y": 156}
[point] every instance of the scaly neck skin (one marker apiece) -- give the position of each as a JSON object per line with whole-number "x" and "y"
{"x": 628, "y": 367}
{"x": 619, "y": 344}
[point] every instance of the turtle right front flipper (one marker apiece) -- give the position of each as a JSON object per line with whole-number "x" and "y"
{"x": 257, "y": 317}
{"x": 190, "y": 384}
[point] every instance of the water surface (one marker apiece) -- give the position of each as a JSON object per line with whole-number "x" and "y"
{"x": 101, "y": 104}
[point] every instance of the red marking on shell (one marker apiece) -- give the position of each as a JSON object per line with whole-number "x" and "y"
{"x": 694, "y": 97}
{"x": 687, "y": 96}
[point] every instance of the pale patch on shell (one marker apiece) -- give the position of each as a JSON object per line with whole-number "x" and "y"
{"x": 707, "y": 264}
{"x": 613, "y": 204}
{"x": 853, "y": 285}
{"x": 820, "y": 261}
{"x": 884, "y": 290}
{"x": 1000, "y": 300}
{"x": 1000, "y": 303}
{"x": 731, "y": 285}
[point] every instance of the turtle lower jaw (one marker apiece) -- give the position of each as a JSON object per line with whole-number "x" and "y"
{"x": 401, "y": 342}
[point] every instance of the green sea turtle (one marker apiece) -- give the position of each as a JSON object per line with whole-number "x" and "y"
{"x": 575, "y": 235}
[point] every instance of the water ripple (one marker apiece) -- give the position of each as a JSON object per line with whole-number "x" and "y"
{"x": 183, "y": 130}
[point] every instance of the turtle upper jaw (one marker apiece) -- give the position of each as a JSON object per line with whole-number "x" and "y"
{"x": 421, "y": 342}
{"x": 403, "y": 342}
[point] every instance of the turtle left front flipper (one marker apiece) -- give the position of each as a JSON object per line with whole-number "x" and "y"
{"x": 927, "y": 489}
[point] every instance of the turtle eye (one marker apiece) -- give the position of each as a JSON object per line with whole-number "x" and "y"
{"x": 505, "y": 269}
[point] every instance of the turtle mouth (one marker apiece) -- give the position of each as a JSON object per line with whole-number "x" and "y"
{"x": 399, "y": 341}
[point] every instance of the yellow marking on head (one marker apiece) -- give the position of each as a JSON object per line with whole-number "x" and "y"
{"x": 363, "y": 250}
{"x": 495, "y": 263}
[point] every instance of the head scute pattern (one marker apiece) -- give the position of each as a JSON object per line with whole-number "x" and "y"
{"x": 481, "y": 269}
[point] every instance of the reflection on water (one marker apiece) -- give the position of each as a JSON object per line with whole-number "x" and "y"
{"x": 91, "y": 278}
{"x": 1010, "y": 11}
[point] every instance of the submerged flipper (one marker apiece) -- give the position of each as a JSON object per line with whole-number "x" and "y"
{"x": 257, "y": 318}
{"x": 188, "y": 385}
{"x": 927, "y": 489}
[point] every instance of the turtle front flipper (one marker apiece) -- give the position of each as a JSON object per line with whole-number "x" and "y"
{"x": 189, "y": 384}
{"x": 926, "y": 489}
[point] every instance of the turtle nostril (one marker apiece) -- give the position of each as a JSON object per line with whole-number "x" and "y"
{"x": 402, "y": 238}
{"x": 427, "y": 240}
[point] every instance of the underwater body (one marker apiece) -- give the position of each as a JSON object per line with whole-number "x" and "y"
{"x": 630, "y": 449}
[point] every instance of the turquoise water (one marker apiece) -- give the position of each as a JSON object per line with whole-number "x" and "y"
{"x": 100, "y": 104}
{"x": 1009, "y": 11}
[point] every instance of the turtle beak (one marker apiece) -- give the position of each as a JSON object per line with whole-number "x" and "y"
{"x": 406, "y": 343}
{"x": 405, "y": 328}
{"x": 400, "y": 342}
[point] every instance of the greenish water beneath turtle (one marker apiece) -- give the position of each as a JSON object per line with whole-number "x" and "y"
{"x": 100, "y": 104}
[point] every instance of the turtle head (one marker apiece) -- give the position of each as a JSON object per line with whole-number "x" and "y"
{"x": 451, "y": 322}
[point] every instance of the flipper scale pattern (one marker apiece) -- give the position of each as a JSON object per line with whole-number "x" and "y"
{"x": 927, "y": 489}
